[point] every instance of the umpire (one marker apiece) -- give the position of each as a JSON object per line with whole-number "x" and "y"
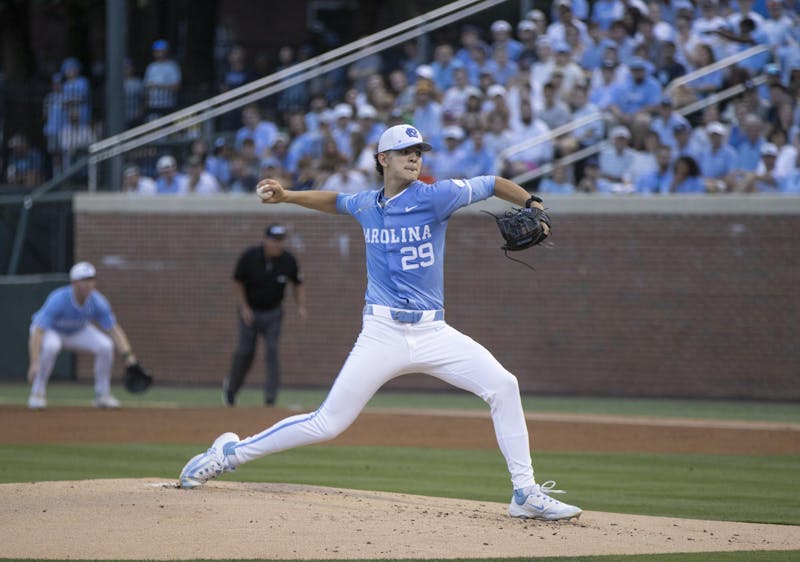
{"x": 261, "y": 275}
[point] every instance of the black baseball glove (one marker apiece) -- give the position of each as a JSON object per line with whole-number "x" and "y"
{"x": 137, "y": 380}
{"x": 522, "y": 228}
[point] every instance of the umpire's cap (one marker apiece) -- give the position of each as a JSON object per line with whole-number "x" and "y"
{"x": 276, "y": 231}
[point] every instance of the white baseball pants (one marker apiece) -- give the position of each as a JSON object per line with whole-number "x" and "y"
{"x": 90, "y": 339}
{"x": 386, "y": 349}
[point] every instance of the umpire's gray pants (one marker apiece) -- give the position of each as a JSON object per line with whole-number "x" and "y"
{"x": 267, "y": 323}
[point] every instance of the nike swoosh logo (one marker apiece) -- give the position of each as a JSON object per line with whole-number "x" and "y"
{"x": 539, "y": 507}
{"x": 411, "y": 208}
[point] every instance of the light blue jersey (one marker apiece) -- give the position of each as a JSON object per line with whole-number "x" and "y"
{"x": 62, "y": 313}
{"x": 405, "y": 238}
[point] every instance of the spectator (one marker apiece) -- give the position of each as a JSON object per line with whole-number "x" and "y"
{"x": 498, "y": 135}
{"x": 55, "y": 117}
{"x": 557, "y": 181}
{"x": 526, "y": 32}
{"x": 602, "y": 89}
{"x": 77, "y": 90}
{"x": 478, "y": 159}
{"x": 454, "y": 101}
{"x": 669, "y": 68}
{"x": 343, "y": 128}
{"x": 556, "y": 31}
{"x": 501, "y": 38}
{"x": 665, "y": 120}
{"x": 218, "y": 162}
{"x": 702, "y": 86}
{"x": 197, "y": 179}
{"x": 134, "y": 182}
{"x": 616, "y": 161}
{"x": 251, "y": 158}
{"x": 169, "y": 180}
{"x": 765, "y": 179}
{"x": 362, "y": 68}
{"x": 777, "y": 27}
{"x": 529, "y": 127}
{"x": 584, "y": 135}
{"x": 554, "y": 112}
{"x": 590, "y": 181}
{"x": 261, "y": 132}
{"x": 133, "y": 86}
{"x": 542, "y": 69}
{"x": 749, "y": 146}
{"x": 469, "y": 38}
{"x": 572, "y": 74}
{"x": 683, "y": 145}
{"x": 501, "y": 67}
{"x": 633, "y": 99}
{"x": 472, "y": 117}
{"x": 25, "y": 163}
{"x": 427, "y": 116}
{"x": 271, "y": 168}
{"x": 787, "y": 153}
{"x": 645, "y": 149}
{"x": 162, "y": 82}
{"x": 660, "y": 179}
{"x": 686, "y": 176}
{"x": 242, "y": 179}
{"x": 237, "y": 73}
{"x": 719, "y": 159}
{"x": 605, "y": 12}
{"x": 448, "y": 162}
{"x": 444, "y": 67}
{"x": 590, "y": 56}
{"x": 344, "y": 179}
{"x": 74, "y": 138}
{"x": 539, "y": 20}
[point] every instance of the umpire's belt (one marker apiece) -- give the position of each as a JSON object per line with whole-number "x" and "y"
{"x": 405, "y": 316}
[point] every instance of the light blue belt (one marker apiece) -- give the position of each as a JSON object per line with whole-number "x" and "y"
{"x": 404, "y": 316}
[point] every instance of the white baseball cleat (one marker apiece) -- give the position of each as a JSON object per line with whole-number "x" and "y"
{"x": 37, "y": 402}
{"x": 106, "y": 401}
{"x": 535, "y": 502}
{"x": 207, "y": 466}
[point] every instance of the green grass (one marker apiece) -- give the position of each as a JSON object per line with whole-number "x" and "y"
{"x": 79, "y": 394}
{"x": 732, "y": 488}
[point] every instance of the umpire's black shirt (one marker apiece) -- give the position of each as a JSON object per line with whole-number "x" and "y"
{"x": 265, "y": 279}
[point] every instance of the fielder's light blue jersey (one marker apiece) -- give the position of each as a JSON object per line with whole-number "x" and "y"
{"x": 60, "y": 312}
{"x": 405, "y": 238}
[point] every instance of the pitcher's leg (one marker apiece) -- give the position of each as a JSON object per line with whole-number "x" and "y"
{"x": 377, "y": 357}
{"x": 462, "y": 362}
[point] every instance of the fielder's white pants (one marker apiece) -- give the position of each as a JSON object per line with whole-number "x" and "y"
{"x": 89, "y": 339}
{"x": 386, "y": 349}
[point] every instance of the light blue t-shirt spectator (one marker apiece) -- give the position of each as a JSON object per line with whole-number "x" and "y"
{"x": 717, "y": 164}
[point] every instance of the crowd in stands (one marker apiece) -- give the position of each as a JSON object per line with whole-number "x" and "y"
{"x": 477, "y": 99}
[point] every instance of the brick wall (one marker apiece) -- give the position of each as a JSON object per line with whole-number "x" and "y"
{"x": 681, "y": 298}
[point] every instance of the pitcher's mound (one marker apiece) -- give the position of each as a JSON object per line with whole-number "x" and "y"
{"x": 154, "y": 519}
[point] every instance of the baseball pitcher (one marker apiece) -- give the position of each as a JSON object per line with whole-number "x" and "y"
{"x": 404, "y": 328}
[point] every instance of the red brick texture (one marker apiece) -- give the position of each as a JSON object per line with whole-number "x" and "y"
{"x": 678, "y": 305}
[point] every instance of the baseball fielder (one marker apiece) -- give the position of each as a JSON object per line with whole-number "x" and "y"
{"x": 66, "y": 320}
{"x": 404, "y": 329}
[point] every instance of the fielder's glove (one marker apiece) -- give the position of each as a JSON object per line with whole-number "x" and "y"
{"x": 522, "y": 228}
{"x": 137, "y": 380}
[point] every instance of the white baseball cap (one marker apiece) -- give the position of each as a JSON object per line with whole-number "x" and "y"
{"x": 717, "y": 128}
{"x": 400, "y": 137}
{"x": 82, "y": 270}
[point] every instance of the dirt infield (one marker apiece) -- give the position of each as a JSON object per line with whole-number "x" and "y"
{"x": 152, "y": 519}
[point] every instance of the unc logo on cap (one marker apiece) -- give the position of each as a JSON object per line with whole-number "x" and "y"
{"x": 412, "y": 132}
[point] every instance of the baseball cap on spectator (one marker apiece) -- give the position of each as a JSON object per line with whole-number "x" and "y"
{"x": 130, "y": 170}
{"x": 680, "y": 127}
{"x": 343, "y": 110}
{"x": 82, "y": 270}
{"x": 453, "y": 132}
{"x": 526, "y": 25}
{"x": 473, "y": 91}
{"x": 637, "y": 63}
{"x": 400, "y": 137}
{"x": 281, "y": 137}
{"x": 564, "y": 4}
{"x": 166, "y": 162}
{"x": 424, "y": 71}
{"x": 536, "y": 15}
{"x": 500, "y": 25}
{"x": 160, "y": 45}
{"x": 716, "y": 128}
{"x": 276, "y": 231}
{"x": 620, "y": 131}
{"x": 326, "y": 116}
{"x": 609, "y": 44}
{"x": 270, "y": 162}
{"x": 679, "y": 5}
{"x": 366, "y": 111}
{"x": 769, "y": 149}
{"x": 219, "y": 142}
{"x": 561, "y": 47}
{"x": 495, "y": 90}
